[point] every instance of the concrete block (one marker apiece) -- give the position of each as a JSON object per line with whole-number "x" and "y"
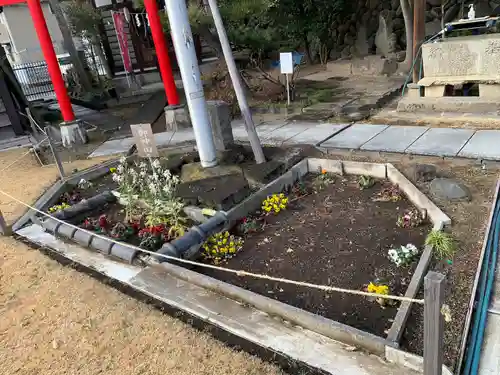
{"x": 50, "y": 224}
{"x": 123, "y": 252}
{"x": 376, "y": 170}
{"x": 489, "y": 91}
{"x": 101, "y": 245}
{"x": 434, "y": 91}
{"x": 409, "y": 360}
{"x": 455, "y": 104}
{"x": 65, "y": 230}
{"x": 354, "y": 136}
{"x": 176, "y": 117}
{"x": 82, "y": 237}
{"x": 440, "y": 142}
{"x": 374, "y": 65}
{"x": 219, "y": 114}
{"x": 395, "y": 138}
{"x": 331, "y": 166}
{"x": 482, "y": 145}
{"x": 419, "y": 199}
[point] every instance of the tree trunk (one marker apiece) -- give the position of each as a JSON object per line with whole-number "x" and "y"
{"x": 69, "y": 46}
{"x": 407, "y": 9}
{"x": 307, "y": 48}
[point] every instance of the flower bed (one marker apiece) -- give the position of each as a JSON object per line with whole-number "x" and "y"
{"x": 331, "y": 230}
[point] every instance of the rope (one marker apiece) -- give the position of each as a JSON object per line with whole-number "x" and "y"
{"x": 23, "y": 155}
{"x": 325, "y": 288}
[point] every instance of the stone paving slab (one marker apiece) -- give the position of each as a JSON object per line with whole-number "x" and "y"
{"x": 395, "y": 138}
{"x": 440, "y": 141}
{"x": 355, "y": 136}
{"x": 240, "y": 134}
{"x": 315, "y": 134}
{"x": 120, "y": 146}
{"x": 484, "y": 144}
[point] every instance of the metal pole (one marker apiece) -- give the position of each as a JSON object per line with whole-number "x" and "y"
{"x": 238, "y": 88}
{"x": 49, "y": 54}
{"x": 162, "y": 52}
{"x": 191, "y": 79}
{"x": 56, "y": 155}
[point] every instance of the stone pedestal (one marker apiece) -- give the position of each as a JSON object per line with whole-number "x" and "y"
{"x": 219, "y": 114}
{"x": 435, "y": 91}
{"x": 73, "y": 133}
{"x": 413, "y": 90}
{"x": 489, "y": 91}
{"x": 177, "y": 117}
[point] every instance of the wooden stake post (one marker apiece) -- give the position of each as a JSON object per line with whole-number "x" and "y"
{"x": 433, "y": 323}
{"x": 5, "y": 229}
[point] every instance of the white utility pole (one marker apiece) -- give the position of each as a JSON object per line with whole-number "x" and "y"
{"x": 238, "y": 88}
{"x": 191, "y": 79}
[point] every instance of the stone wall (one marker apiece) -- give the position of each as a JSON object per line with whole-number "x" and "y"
{"x": 380, "y": 23}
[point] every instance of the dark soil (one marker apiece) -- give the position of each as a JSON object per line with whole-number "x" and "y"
{"x": 338, "y": 236}
{"x": 468, "y": 224}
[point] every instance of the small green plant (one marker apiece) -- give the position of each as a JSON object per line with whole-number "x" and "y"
{"x": 324, "y": 179}
{"x": 221, "y": 246}
{"x": 442, "y": 243}
{"x": 250, "y": 225}
{"x": 365, "y": 182}
{"x": 274, "y": 203}
{"x": 403, "y": 255}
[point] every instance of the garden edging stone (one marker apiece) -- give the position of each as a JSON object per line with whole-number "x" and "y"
{"x": 305, "y": 319}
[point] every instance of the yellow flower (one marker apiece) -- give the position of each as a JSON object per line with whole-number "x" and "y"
{"x": 112, "y": 170}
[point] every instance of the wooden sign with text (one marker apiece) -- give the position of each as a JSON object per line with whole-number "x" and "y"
{"x": 144, "y": 140}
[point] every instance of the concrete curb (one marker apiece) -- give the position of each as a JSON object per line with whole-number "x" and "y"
{"x": 438, "y": 217}
{"x": 397, "y": 328}
{"x": 478, "y": 273}
{"x": 313, "y": 322}
{"x": 409, "y": 360}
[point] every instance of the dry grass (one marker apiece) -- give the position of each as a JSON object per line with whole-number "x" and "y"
{"x": 55, "y": 320}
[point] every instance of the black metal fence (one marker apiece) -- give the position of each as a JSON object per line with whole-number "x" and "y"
{"x": 35, "y": 80}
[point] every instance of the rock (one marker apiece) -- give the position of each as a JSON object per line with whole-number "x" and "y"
{"x": 452, "y": 13}
{"x": 361, "y": 44}
{"x": 432, "y": 28}
{"x": 385, "y": 40}
{"x": 424, "y": 172}
{"x": 482, "y": 9}
{"x": 434, "y": 3}
{"x": 194, "y": 171}
{"x": 449, "y": 189}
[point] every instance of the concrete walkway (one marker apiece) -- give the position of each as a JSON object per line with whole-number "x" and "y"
{"x": 418, "y": 140}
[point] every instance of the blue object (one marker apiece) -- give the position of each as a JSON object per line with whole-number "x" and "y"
{"x": 296, "y": 57}
{"x": 487, "y": 279}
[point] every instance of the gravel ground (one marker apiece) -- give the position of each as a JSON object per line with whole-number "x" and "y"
{"x": 56, "y": 320}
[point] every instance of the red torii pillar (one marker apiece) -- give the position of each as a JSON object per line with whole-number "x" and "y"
{"x": 162, "y": 52}
{"x": 49, "y": 54}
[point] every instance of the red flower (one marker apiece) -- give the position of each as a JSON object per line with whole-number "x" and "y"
{"x": 103, "y": 221}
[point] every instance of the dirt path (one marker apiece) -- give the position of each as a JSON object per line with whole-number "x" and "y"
{"x": 54, "y": 320}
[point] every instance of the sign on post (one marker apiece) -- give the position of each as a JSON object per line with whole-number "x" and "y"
{"x": 144, "y": 140}
{"x": 286, "y": 67}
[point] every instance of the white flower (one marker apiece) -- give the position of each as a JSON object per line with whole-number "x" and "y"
{"x": 117, "y": 178}
{"x": 156, "y": 163}
{"x": 120, "y": 169}
{"x": 405, "y": 250}
{"x": 412, "y": 248}
{"x": 166, "y": 173}
{"x": 392, "y": 253}
{"x": 123, "y": 160}
{"x": 143, "y": 165}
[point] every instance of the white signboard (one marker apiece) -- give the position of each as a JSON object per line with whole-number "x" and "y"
{"x": 144, "y": 140}
{"x": 286, "y": 63}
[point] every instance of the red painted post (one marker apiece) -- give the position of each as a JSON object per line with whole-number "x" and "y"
{"x": 51, "y": 59}
{"x": 162, "y": 52}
